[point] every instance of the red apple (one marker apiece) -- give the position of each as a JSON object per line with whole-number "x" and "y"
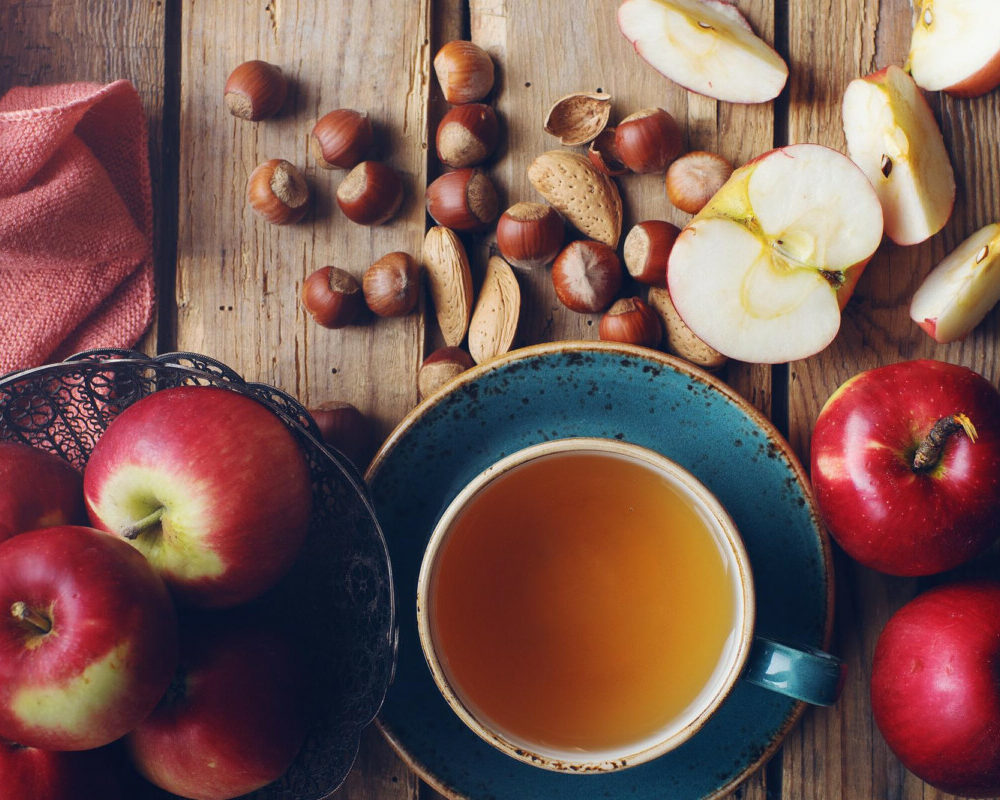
{"x": 37, "y": 490}
{"x": 88, "y": 638}
{"x": 906, "y": 466}
{"x": 209, "y": 485}
{"x": 233, "y": 720}
{"x": 936, "y": 687}
{"x": 27, "y": 773}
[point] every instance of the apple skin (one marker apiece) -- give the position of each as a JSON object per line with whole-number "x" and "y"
{"x": 37, "y": 490}
{"x": 935, "y": 687}
{"x": 233, "y": 720}
{"x": 880, "y": 510}
{"x": 27, "y": 773}
{"x": 111, "y": 650}
{"x": 232, "y": 483}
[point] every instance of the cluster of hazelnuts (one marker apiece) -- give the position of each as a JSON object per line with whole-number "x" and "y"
{"x": 370, "y": 194}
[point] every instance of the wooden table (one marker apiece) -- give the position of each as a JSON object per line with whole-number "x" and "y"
{"x": 229, "y": 283}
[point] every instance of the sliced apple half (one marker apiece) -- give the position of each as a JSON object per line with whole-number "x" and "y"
{"x": 961, "y": 290}
{"x": 706, "y": 46}
{"x": 955, "y": 46}
{"x": 893, "y": 136}
{"x": 762, "y": 272}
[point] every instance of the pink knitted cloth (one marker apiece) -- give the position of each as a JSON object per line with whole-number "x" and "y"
{"x": 76, "y": 221}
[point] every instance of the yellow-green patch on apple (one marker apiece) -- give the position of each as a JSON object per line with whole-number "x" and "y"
{"x": 74, "y": 705}
{"x": 170, "y": 541}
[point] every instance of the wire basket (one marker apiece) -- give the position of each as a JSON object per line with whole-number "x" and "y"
{"x": 341, "y": 583}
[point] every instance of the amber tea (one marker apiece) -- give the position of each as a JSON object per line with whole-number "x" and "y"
{"x": 582, "y": 601}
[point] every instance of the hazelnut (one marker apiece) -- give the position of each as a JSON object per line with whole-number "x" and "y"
{"x": 340, "y": 139}
{"x": 530, "y": 234}
{"x": 333, "y": 297}
{"x": 463, "y": 200}
{"x": 255, "y": 90}
{"x": 603, "y": 154}
{"x": 392, "y": 285}
{"x": 648, "y": 140}
{"x": 694, "y": 178}
{"x": 631, "y": 321}
{"x": 278, "y": 192}
{"x": 578, "y": 118}
{"x": 586, "y": 276}
{"x": 440, "y": 367}
{"x": 646, "y": 250}
{"x": 371, "y": 193}
{"x": 465, "y": 72}
{"x": 346, "y": 429}
{"x": 467, "y": 135}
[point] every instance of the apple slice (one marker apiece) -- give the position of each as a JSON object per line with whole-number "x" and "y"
{"x": 707, "y": 47}
{"x": 960, "y": 291}
{"x": 955, "y": 46}
{"x": 763, "y": 271}
{"x": 893, "y": 136}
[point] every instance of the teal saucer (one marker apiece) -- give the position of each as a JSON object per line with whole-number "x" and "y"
{"x": 614, "y": 391}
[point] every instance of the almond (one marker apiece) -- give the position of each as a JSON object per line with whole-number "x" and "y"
{"x": 578, "y": 118}
{"x": 587, "y": 199}
{"x": 450, "y": 281}
{"x": 494, "y": 321}
{"x": 680, "y": 339}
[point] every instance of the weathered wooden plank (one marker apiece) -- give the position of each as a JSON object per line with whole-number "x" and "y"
{"x": 61, "y": 41}
{"x": 545, "y": 51}
{"x": 239, "y": 279}
{"x": 839, "y": 752}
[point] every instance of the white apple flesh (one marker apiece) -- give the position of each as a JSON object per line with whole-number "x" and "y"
{"x": 893, "y": 136}
{"x": 762, "y": 272}
{"x": 707, "y": 47}
{"x": 961, "y": 290}
{"x": 956, "y": 46}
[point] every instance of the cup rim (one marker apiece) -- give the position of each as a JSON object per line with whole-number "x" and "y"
{"x": 724, "y": 526}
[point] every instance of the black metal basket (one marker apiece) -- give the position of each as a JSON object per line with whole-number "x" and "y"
{"x": 341, "y": 584}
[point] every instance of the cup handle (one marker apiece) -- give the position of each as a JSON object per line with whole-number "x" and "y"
{"x": 800, "y": 672}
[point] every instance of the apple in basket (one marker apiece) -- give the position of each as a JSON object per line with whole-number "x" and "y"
{"x": 88, "y": 638}
{"x": 209, "y": 485}
{"x": 27, "y": 773}
{"x": 234, "y": 718}
{"x": 37, "y": 490}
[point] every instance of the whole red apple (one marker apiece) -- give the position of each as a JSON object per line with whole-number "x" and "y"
{"x": 27, "y": 773}
{"x": 88, "y": 638}
{"x": 232, "y": 721}
{"x": 209, "y": 485}
{"x": 936, "y": 687}
{"x": 37, "y": 490}
{"x": 906, "y": 466}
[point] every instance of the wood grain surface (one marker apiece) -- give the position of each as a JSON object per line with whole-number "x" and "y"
{"x": 229, "y": 282}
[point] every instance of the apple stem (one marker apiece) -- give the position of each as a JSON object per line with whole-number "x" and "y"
{"x": 143, "y": 524}
{"x": 21, "y": 611}
{"x": 929, "y": 452}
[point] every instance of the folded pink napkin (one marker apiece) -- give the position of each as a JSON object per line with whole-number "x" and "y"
{"x": 76, "y": 221}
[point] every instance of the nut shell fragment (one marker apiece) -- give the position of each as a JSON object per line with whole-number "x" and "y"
{"x": 494, "y": 321}
{"x": 587, "y": 199}
{"x": 578, "y": 118}
{"x": 680, "y": 339}
{"x": 450, "y": 281}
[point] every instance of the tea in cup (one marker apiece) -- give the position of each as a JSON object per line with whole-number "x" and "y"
{"x": 587, "y": 604}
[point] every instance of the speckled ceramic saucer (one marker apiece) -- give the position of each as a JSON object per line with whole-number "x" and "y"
{"x": 598, "y": 389}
